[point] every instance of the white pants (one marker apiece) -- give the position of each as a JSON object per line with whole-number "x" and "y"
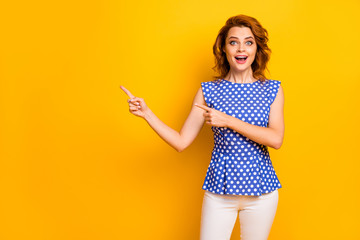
{"x": 219, "y": 213}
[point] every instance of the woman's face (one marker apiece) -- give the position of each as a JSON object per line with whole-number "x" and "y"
{"x": 240, "y": 48}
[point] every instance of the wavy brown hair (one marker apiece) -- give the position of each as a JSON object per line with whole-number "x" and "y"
{"x": 222, "y": 66}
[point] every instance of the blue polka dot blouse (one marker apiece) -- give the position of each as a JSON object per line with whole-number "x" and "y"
{"x": 240, "y": 166}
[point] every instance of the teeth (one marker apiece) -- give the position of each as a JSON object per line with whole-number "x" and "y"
{"x": 238, "y": 58}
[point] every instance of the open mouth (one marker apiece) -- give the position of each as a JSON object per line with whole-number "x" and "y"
{"x": 241, "y": 59}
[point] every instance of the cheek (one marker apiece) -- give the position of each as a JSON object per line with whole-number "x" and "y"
{"x": 253, "y": 55}
{"x": 228, "y": 57}
{"x": 253, "y": 51}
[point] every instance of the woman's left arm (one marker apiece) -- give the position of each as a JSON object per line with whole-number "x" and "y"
{"x": 271, "y": 136}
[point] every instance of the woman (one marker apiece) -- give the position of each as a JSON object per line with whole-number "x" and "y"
{"x": 245, "y": 112}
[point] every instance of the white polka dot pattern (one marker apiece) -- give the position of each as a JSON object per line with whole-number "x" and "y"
{"x": 240, "y": 166}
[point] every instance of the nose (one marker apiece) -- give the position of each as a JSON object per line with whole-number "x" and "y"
{"x": 240, "y": 48}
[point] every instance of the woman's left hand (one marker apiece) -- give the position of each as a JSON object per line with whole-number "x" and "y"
{"x": 214, "y": 117}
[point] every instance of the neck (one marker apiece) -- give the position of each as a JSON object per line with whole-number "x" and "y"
{"x": 240, "y": 77}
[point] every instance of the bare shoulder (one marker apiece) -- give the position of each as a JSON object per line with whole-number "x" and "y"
{"x": 280, "y": 91}
{"x": 276, "y": 115}
{"x": 199, "y": 97}
{"x": 279, "y": 98}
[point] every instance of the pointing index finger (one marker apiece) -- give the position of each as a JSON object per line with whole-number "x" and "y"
{"x": 203, "y": 107}
{"x": 127, "y": 92}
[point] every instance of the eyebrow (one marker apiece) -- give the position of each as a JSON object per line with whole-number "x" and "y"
{"x": 244, "y": 38}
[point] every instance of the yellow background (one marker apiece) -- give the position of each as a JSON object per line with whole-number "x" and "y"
{"x": 75, "y": 164}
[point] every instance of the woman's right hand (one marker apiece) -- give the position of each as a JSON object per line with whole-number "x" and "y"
{"x": 137, "y": 106}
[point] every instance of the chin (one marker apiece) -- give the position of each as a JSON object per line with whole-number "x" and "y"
{"x": 242, "y": 68}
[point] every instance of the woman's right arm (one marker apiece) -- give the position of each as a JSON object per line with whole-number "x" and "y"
{"x": 178, "y": 140}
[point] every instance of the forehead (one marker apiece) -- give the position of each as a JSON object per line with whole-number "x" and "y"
{"x": 240, "y": 32}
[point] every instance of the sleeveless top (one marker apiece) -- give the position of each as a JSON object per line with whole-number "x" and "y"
{"x": 240, "y": 166}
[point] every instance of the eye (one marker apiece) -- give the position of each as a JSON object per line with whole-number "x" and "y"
{"x": 232, "y": 42}
{"x": 249, "y": 43}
